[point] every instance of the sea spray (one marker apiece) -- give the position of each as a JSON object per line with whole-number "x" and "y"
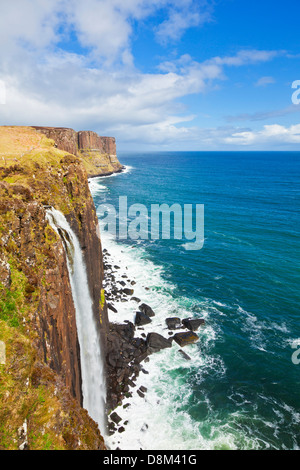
{"x": 159, "y": 421}
{"x": 92, "y": 364}
{"x": 231, "y": 394}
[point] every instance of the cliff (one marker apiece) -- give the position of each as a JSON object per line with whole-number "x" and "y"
{"x": 98, "y": 154}
{"x": 40, "y": 382}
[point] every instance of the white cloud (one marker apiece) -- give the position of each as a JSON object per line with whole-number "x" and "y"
{"x": 46, "y": 85}
{"x": 264, "y": 81}
{"x": 246, "y": 57}
{"x": 65, "y": 91}
{"x": 33, "y": 22}
{"x": 263, "y": 115}
{"x": 183, "y": 14}
{"x": 270, "y": 134}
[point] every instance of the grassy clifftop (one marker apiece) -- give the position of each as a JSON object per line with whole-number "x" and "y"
{"x": 98, "y": 154}
{"x": 40, "y": 377}
{"x": 31, "y": 161}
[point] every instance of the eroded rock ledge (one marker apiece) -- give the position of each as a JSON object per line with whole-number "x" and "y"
{"x": 41, "y": 379}
{"x": 98, "y": 154}
{"x": 131, "y": 343}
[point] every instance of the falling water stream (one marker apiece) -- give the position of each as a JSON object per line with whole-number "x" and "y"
{"x": 92, "y": 365}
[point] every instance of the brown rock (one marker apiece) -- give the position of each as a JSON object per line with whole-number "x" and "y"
{"x": 147, "y": 310}
{"x": 183, "y": 339}
{"x": 173, "y": 323}
{"x": 65, "y": 139}
{"x": 142, "y": 319}
{"x": 99, "y": 154}
{"x": 193, "y": 324}
{"x": 155, "y": 342}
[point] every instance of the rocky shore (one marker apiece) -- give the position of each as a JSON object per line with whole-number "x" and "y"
{"x": 42, "y": 391}
{"x": 129, "y": 346}
{"x": 41, "y": 380}
{"x": 97, "y": 153}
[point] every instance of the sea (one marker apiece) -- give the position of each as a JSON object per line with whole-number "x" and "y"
{"x": 240, "y": 387}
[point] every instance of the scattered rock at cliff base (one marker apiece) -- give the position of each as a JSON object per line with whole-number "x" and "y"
{"x": 112, "y": 308}
{"x": 147, "y": 310}
{"x": 173, "y": 323}
{"x": 141, "y": 391}
{"x": 184, "y": 355}
{"x": 183, "y": 339}
{"x": 155, "y": 342}
{"x": 115, "y": 418}
{"x": 124, "y": 355}
{"x": 127, "y": 291}
{"x": 141, "y": 319}
{"x": 193, "y": 324}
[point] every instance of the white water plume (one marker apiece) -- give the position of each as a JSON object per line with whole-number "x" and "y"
{"x": 92, "y": 363}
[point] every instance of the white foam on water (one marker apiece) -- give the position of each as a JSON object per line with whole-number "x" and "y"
{"x": 264, "y": 335}
{"x": 95, "y": 186}
{"x": 161, "y": 420}
{"x": 126, "y": 169}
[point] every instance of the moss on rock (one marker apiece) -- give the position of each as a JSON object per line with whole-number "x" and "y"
{"x": 39, "y": 404}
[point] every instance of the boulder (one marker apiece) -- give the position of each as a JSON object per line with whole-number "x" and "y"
{"x": 155, "y": 342}
{"x": 184, "y": 355}
{"x": 115, "y": 418}
{"x": 147, "y": 310}
{"x": 127, "y": 291}
{"x": 142, "y": 319}
{"x": 112, "y": 308}
{"x": 184, "y": 339}
{"x": 193, "y": 324}
{"x": 173, "y": 323}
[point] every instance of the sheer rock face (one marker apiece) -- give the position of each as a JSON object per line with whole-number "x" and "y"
{"x": 98, "y": 154}
{"x": 65, "y": 139}
{"x": 35, "y": 281}
{"x": 88, "y": 140}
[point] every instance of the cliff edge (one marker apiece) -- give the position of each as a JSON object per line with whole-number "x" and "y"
{"x": 40, "y": 375}
{"x": 98, "y": 154}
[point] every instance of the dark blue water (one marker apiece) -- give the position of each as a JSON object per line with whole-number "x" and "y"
{"x": 245, "y": 279}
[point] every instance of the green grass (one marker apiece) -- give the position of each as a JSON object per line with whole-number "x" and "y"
{"x": 8, "y": 308}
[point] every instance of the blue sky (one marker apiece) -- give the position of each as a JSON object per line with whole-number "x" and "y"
{"x": 156, "y": 74}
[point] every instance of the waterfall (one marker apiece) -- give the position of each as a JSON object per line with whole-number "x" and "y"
{"x": 92, "y": 364}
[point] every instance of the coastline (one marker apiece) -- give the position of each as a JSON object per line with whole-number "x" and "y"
{"x": 104, "y": 175}
{"x": 133, "y": 362}
{"x": 37, "y": 305}
{"x": 158, "y": 398}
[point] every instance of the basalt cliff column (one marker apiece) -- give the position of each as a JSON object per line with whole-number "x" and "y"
{"x": 98, "y": 154}
{"x": 41, "y": 378}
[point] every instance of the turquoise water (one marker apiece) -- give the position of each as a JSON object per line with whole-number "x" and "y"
{"x": 241, "y": 390}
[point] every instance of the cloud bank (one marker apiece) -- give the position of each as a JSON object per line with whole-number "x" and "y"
{"x": 70, "y": 63}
